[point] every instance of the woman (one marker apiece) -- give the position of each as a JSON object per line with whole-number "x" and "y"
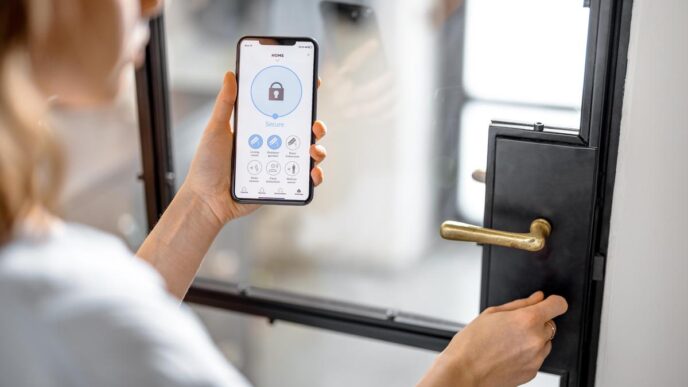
{"x": 78, "y": 309}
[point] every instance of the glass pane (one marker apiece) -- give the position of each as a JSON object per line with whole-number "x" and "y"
{"x": 103, "y": 157}
{"x": 527, "y": 52}
{"x": 392, "y": 95}
{"x": 283, "y": 354}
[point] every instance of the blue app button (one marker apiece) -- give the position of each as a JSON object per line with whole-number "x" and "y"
{"x": 274, "y": 142}
{"x": 255, "y": 141}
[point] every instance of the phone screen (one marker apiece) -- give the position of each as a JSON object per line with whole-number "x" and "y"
{"x": 273, "y": 119}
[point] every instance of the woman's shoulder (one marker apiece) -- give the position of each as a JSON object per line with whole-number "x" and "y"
{"x": 70, "y": 251}
{"x": 61, "y": 240}
{"x": 83, "y": 295}
{"x": 73, "y": 262}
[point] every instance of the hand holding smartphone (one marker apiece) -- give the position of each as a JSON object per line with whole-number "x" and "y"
{"x": 274, "y": 113}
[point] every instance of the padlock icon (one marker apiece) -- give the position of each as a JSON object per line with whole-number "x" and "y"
{"x": 276, "y": 92}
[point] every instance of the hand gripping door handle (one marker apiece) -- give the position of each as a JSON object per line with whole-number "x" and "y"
{"x": 534, "y": 240}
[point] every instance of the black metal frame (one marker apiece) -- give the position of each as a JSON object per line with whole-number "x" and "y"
{"x": 377, "y": 323}
{"x": 155, "y": 124}
{"x": 600, "y": 124}
{"x": 605, "y": 129}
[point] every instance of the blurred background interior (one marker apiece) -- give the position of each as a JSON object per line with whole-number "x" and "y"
{"x": 409, "y": 89}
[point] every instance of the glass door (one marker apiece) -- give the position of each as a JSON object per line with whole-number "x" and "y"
{"x": 410, "y": 90}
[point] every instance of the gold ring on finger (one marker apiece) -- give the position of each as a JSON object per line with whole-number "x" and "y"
{"x": 554, "y": 329}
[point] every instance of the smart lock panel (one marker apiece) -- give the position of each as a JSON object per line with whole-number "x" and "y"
{"x": 548, "y": 176}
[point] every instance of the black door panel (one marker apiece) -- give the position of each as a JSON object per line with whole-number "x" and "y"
{"x": 537, "y": 178}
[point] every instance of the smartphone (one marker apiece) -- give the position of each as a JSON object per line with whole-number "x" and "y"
{"x": 273, "y": 118}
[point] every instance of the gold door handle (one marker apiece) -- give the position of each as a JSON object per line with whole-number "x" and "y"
{"x": 532, "y": 241}
{"x": 479, "y": 175}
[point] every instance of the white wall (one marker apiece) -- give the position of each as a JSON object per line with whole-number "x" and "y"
{"x": 644, "y": 337}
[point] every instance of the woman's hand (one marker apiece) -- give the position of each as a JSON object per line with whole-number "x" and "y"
{"x": 504, "y": 346}
{"x": 182, "y": 236}
{"x": 209, "y": 174}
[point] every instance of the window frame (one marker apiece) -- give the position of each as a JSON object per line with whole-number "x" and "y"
{"x": 605, "y": 72}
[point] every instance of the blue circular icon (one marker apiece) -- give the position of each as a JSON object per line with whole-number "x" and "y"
{"x": 274, "y": 142}
{"x": 276, "y": 91}
{"x": 255, "y": 141}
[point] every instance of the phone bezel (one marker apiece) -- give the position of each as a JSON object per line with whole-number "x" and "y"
{"x": 281, "y": 41}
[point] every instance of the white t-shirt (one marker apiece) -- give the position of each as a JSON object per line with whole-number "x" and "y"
{"x": 77, "y": 308}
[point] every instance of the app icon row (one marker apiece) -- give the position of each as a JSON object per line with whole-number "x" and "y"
{"x": 272, "y": 167}
{"x": 279, "y": 191}
{"x": 274, "y": 142}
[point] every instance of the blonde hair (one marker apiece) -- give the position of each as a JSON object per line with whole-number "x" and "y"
{"x": 30, "y": 160}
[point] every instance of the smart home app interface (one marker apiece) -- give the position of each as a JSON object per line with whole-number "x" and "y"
{"x": 274, "y": 121}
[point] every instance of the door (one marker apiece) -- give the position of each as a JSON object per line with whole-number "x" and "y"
{"x": 436, "y": 123}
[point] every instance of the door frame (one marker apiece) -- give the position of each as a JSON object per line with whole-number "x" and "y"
{"x": 605, "y": 73}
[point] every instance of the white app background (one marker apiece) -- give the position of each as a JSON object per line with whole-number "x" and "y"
{"x": 274, "y": 121}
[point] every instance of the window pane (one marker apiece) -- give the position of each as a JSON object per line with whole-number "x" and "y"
{"x": 369, "y": 236}
{"x": 283, "y": 354}
{"x": 526, "y": 52}
{"x": 103, "y": 157}
{"x": 391, "y": 96}
{"x": 523, "y": 62}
